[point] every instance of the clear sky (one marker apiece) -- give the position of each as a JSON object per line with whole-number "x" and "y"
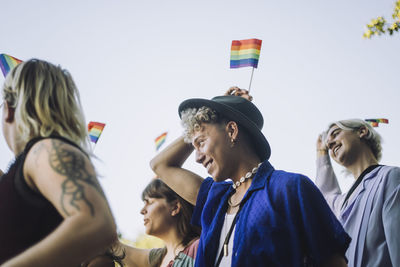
{"x": 136, "y": 61}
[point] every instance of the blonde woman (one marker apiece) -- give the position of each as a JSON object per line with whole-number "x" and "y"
{"x": 52, "y": 207}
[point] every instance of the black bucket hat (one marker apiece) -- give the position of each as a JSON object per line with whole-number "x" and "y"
{"x": 240, "y": 110}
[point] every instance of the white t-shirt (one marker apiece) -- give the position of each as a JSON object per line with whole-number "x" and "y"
{"x": 226, "y": 261}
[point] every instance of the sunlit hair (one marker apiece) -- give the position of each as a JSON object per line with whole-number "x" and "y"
{"x": 372, "y": 139}
{"x": 46, "y": 102}
{"x": 158, "y": 189}
{"x": 192, "y": 118}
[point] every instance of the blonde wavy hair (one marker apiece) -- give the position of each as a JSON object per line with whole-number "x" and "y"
{"x": 372, "y": 139}
{"x": 46, "y": 102}
{"x": 192, "y": 118}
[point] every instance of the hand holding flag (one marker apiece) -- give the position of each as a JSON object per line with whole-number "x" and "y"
{"x": 236, "y": 91}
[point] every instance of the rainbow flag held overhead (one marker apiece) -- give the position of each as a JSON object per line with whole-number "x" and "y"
{"x": 95, "y": 129}
{"x": 160, "y": 140}
{"x": 7, "y": 63}
{"x": 375, "y": 122}
{"x": 245, "y": 53}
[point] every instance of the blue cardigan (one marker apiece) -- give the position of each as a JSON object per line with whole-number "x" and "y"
{"x": 285, "y": 222}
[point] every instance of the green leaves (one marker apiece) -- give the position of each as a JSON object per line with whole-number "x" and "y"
{"x": 380, "y": 26}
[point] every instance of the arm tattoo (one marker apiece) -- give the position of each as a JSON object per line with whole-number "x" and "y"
{"x": 72, "y": 165}
{"x": 36, "y": 151}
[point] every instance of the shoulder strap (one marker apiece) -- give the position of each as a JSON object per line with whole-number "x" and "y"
{"x": 224, "y": 250}
{"x": 229, "y": 234}
{"x": 21, "y": 186}
{"x": 33, "y": 141}
{"x": 358, "y": 181}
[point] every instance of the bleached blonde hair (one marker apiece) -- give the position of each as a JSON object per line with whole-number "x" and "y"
{"x": 46, "y": 102}
{"x": 372, "y": 139}
{"x": 192, "y": 118}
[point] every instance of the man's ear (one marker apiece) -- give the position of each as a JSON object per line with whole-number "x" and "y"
{"x": 176, "y": 208}
{"x": 10, "y": 112}
{"x": 232, "y": 129}
{"x": 363, "y": 131}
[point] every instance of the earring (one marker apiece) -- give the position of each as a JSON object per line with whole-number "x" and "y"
{"x": 233, "y": 141}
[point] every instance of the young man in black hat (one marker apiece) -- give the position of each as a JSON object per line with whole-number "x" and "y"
{"x": 262, "y": 217}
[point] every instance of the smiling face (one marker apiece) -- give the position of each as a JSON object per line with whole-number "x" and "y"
{"x": 213, "y": 150}
{"x": 344, "y": 145}
{"x": 157, "y": 216}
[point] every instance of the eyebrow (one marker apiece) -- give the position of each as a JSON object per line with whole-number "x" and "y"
{"x": 197, "y": 138}
{"x": 337, "y": 129}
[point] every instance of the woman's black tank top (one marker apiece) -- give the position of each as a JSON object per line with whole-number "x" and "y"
{"x": 26, "y": 217}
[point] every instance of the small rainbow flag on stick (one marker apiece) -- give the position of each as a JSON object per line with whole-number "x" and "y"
{"x": 7, "y": 63}
{"x": 160, "y": 140}
{"x": 375, "y": 122}
{"x": 245, "y": 53}
{"x": 95, "y": 129}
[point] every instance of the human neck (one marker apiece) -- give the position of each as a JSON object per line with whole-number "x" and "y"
{"x": 365, "y": 160}
{"x": 241, "y": 185}
{"x": 245, "y": 167}
{"x": 14, "y": 143}
{"x": 18, "y": 149}
{"x": 173, "y": 242}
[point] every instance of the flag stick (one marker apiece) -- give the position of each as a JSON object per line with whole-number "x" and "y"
{"x": 252, "y": 71}
{"x": 92, "y": 146}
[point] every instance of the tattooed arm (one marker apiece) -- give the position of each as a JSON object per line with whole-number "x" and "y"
{"x": 65, "y": 176}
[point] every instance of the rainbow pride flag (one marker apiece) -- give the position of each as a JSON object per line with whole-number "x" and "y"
{"x": 160, "y": 140}
{"x": 95, "y": 129}
{"x": 7, "y": 63}
{"x": 375, "y": 122}
{"x": 245, "y": 53}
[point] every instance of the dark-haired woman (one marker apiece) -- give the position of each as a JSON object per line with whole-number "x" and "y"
{"x": 166, "y": 216}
